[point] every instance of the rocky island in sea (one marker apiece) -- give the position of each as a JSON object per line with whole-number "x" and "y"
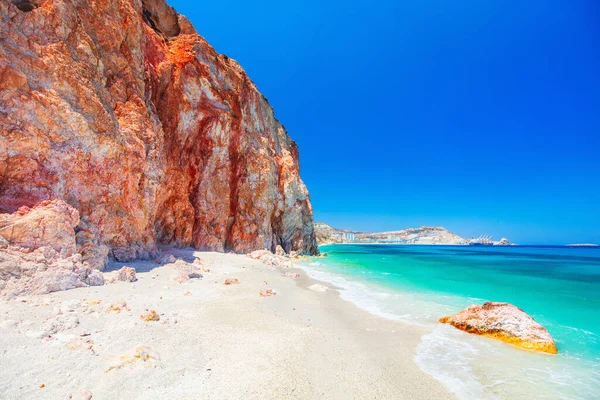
{"x": 325, "y": 234}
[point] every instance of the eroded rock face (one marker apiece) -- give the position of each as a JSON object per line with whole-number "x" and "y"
{"x": 504, "y": 322}
{"x": 49, "y": 224}
{"x": 121, "y": 110}
{"x": 38, "y": 252}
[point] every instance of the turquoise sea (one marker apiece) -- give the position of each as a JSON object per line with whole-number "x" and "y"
{"x": 558, "y": 286}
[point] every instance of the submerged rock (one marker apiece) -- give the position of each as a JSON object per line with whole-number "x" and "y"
{"x": 504, "y": 322}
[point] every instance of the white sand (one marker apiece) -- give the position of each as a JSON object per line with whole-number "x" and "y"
{"x": 217, "y": 342}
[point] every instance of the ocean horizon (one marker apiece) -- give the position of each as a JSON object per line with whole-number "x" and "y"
{"x": 418, "y": 284}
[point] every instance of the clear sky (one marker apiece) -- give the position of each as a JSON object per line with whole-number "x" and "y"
{"x": 480, "y": 116}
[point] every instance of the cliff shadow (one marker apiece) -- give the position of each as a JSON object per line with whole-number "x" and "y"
{"x": 187, "y": 254}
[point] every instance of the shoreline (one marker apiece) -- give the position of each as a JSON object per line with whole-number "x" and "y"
{"x": 212, "y": 341}
{"x": 468, "y": 365}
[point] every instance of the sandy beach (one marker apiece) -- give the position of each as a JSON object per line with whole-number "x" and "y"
{"x": 212, "y": 341}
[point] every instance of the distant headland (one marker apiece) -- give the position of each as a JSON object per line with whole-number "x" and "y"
{"x": 423, "y": 235}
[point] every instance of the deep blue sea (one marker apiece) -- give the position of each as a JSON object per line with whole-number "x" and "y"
{"x": 558, "y": 286}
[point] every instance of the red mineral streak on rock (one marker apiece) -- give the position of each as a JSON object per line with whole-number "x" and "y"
{"x": 121, "y": 110}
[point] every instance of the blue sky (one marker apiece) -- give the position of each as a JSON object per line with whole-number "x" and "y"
{"x": 481, "y": 116}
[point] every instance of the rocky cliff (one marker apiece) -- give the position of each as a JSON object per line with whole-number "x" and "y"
{"x": 119, "y": 108}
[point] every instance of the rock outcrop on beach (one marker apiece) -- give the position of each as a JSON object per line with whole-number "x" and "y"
{"x": 270, "y": 259}
{"x": 504, "y": 322}
{"x": 38, "y": 253}
{"x": 120, "y": 109}
{"x": 124, "y": 274}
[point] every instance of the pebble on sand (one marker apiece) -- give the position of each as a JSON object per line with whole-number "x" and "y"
{"x": 140, "y": 356}
{"x": 151, "y": 316}
{"x": 117, "y": 307}
{"x": 79, "y": 395}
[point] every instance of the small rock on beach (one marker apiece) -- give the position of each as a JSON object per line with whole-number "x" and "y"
{"x": 318, "y": 287}
{"x": 151, "y": 316}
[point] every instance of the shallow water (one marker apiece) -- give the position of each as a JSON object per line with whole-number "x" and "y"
{"x": 558, "y": 286}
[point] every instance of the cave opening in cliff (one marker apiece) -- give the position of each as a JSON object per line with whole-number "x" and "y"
{"x": 25, "y": 5}
{"x": 149, "y": 19}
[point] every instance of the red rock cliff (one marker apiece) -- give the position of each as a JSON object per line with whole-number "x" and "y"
{"x": 121, "y": 109}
